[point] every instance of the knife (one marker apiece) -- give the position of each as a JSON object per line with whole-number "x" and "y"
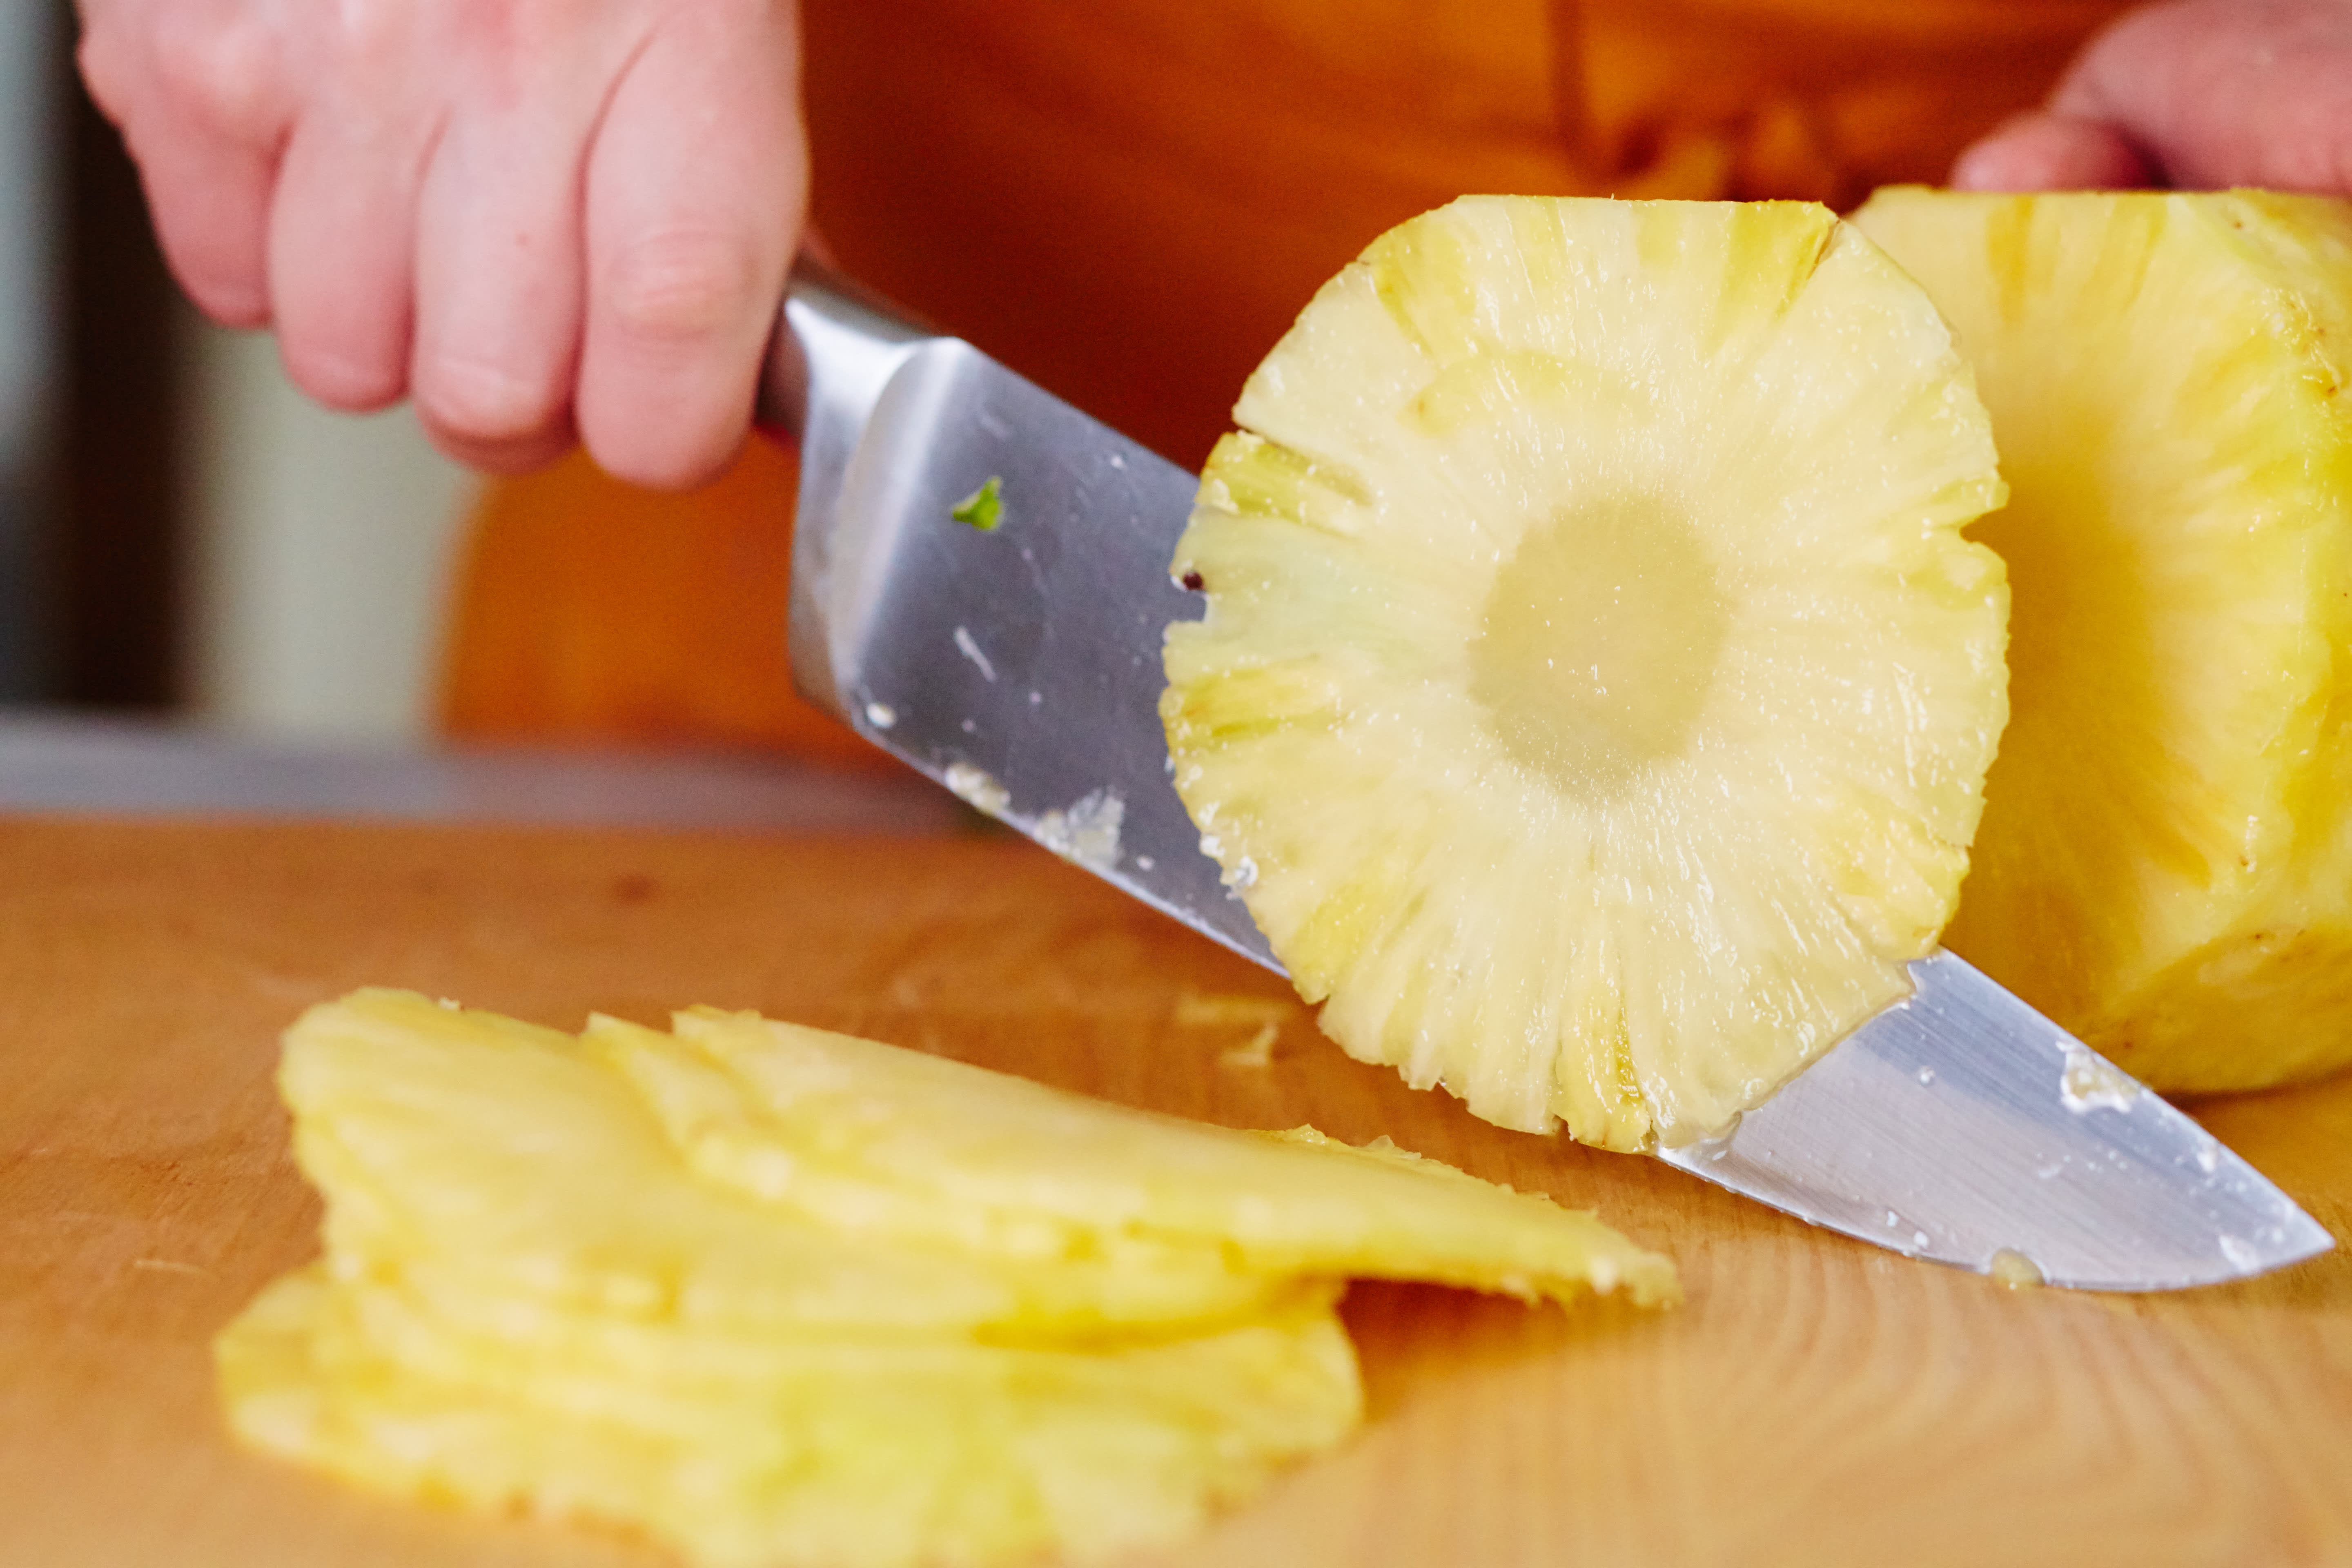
{"x": 980, "y": 587}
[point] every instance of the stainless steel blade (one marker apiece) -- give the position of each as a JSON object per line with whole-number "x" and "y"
{"x": 1019, "y": 665}
{"x": 1963, "y": 1126}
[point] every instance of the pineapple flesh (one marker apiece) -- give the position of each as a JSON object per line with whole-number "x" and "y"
{"x": 2165, "y": 866}
{"x": 787, "y": 1453}
{"x": 1595, "y": 691}
{"x": 910, "y": 1312}
{"x": 943, "y": 1154}
{"x": 409, "y": 1114}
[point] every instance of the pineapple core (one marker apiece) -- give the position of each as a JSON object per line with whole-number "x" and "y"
{"x": 1599, "y": 642}
{"x": 1595, "y": 693}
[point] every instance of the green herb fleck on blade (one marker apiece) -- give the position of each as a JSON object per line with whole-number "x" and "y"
{"x": 984, "y": 507}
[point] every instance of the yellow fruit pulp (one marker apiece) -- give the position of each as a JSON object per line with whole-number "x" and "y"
{"x": 1595, "y": 690}
{"x": 773, "y": 1296}
{"x": 945, "y": 1154}
{"x": 2165, "y": 865}
{"x": 769, "y": 1453}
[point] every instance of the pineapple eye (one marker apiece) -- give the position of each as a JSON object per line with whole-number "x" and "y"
{"x": 1599, "y": 642}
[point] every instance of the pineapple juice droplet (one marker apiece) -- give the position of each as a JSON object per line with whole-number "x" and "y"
{"x": 2014, "y": 1269}
{"x": 1599, "y": 642}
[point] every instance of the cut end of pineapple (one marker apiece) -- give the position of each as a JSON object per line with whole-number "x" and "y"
{"x": 2165, "y": 866}
{"x": 1596, "y": 691}
{"x": 770, "y": 1295}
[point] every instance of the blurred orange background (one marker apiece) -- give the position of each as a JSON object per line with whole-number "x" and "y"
{"x": 1128, "y": 201}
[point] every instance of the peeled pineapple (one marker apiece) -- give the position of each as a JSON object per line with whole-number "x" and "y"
{"x": 1595, "y": 691}
{"x": 2166, "y": 861}
{"x": 774, "y": 1297}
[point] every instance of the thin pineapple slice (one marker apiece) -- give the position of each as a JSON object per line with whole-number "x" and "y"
{"x": 936, "y": 1152}
{"x": 505, "y": 1170}
{"x": 1595, "y": 691}
{"x": 790, "y": 1452}
{"x": 2166, "y": 861}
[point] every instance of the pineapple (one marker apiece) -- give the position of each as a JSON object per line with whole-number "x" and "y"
{"x": 777, "y": 1297}
{"x": 1595, "y": 692}
{"x": 941, "y": 1152}
{"x": 504, "y": 1168}
{"x": 2165, "y": 861}
{"x": 789, "y": 1453}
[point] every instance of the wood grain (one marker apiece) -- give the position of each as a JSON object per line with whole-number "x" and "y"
{"x": 1817, "y": 1400}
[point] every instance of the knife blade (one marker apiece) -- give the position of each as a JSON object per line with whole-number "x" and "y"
{"x": 980, "y": 587}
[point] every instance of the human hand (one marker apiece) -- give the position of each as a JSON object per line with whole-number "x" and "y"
{"x": 2197, "y": 94}
{"x": 537, "y": 219}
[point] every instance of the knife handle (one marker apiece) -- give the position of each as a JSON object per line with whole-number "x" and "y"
{"x": 825, "y": 326}
{"x": 833, "y": 349}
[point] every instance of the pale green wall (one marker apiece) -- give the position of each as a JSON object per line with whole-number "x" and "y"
{"x": 320, "y": 554}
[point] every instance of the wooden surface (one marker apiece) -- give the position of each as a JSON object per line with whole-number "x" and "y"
{"x": 1816, "y": 1403}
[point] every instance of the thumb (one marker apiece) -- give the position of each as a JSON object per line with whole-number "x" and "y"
{"x": 2044, "y": 152}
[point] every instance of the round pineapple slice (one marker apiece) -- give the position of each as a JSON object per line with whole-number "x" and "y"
{"x": 2166, "y": 865}
{"x": 1595, "y": 692}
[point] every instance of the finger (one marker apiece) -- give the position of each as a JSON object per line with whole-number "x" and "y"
{"x": 200, "y": 96}
{"x": 499, "y": 287}
{"x": 696, "y": 187}
{"x": 2051, "y": 153}
{"x": 341, "y": 232}
{"x": 2228, "y": 92}
{"x": 210, "y": 203}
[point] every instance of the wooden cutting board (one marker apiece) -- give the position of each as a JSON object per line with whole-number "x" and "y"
{"x": 1817, "y": 1402}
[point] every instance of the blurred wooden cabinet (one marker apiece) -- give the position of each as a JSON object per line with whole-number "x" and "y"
{"x": 29, "y": 193}
{"x": 89, "y": 472}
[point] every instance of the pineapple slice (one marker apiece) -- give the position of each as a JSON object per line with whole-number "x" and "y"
{"x": 938, "y": 1153}
{"x": 778, "y": 1452}
{"x": 2166, "y": 861}
{"x": 503, "y": 1169}
{"x": 1595, "y": 692}
{"x": 532, "y": 1301}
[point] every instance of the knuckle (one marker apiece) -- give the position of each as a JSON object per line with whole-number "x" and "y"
{"x": 679, "y": 467}
{"x": 340, "y": 376}
{"x": 522, "y": 455}
{"x": 484, "y": 404}
{"x": 105, "y": 59}
{"x": 230, "y": 296}
{"x": 663, "y": 443}
{"x": 682, "y": 286}
{"x": 221, "y": 75}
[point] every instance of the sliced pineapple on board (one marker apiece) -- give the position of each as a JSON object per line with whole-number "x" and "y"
{"x": 936, "y": 1152}
{"x": 829, "y": 1454}
{"x": 1596, "y": 691}
{"x": 502, "y": 1167}
{"x": 2165, "y": 866}
{"x": 533, "y": 1301}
